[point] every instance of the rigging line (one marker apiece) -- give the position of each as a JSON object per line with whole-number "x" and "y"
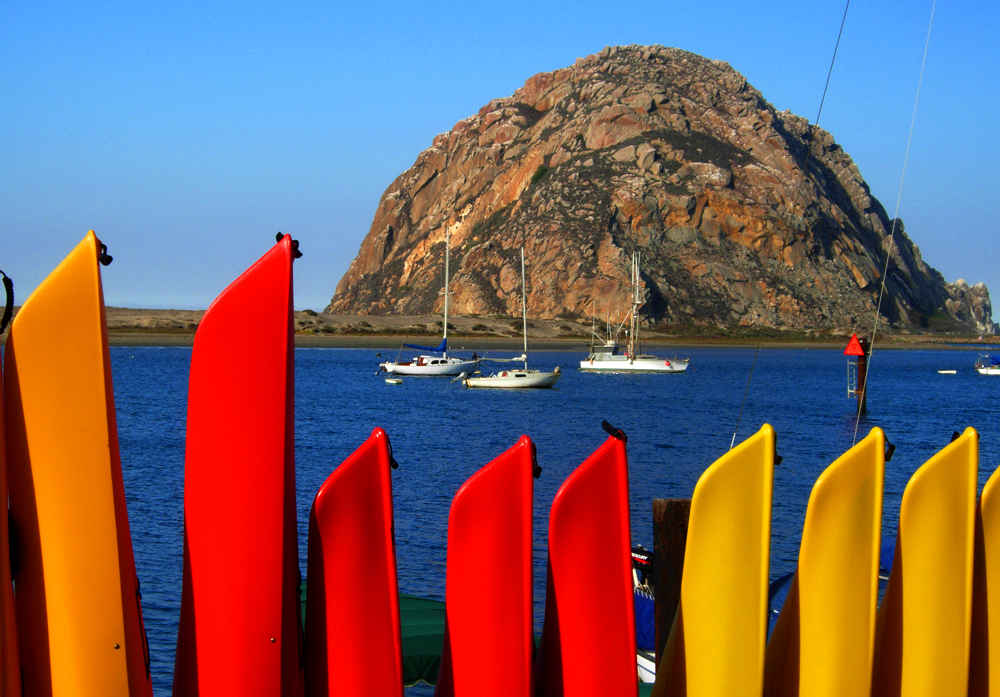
{"x": 745, "y": 393}
{"x": 895, "y": 219}
{"x": 822, "y": 101}
{"x": 832, "y": 60}
{"x": 805, "y": 178}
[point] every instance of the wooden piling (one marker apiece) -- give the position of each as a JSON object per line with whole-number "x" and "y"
{"x": 670, "y": 526}
{"x": 862, "y": 392}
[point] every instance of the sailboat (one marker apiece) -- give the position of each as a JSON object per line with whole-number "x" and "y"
{"x": 987, "y": 365}
{"x": 605, "y": 357}
{"x": 524, "y": 377}
{"x": 433, "y": 365}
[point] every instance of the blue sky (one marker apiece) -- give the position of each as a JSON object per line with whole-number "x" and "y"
{"x": 186, "y": 134}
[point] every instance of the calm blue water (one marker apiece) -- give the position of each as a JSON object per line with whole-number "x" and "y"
{"x": 442, "y": 433}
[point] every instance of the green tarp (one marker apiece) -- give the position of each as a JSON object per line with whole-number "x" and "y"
{"x": 422, "y": 625}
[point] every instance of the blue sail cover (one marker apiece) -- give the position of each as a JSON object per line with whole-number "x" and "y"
{"x": 996, "y": 361}
{"x": 440, "y": 349}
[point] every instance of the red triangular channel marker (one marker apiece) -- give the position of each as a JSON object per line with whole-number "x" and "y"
{"x": 854, "y": 347}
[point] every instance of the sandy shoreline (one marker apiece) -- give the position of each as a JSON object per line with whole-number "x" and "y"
{"x": 465, "y": 344}
{"x": 151, "y": 327}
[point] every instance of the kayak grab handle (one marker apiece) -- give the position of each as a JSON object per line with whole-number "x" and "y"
{"x": 8, "y": 308}
{"x": 392, "y": 460}
{"x": 614, "y": 432}
{"x": 295, "y": 245}
{"x": 536, "y": 471}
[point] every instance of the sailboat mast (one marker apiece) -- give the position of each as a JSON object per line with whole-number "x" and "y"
{"x": 635, "y": 312}
{"x": 447, "y": 248}
{"x": 593, "y": 324}
{"x": 631, "y": 319}
{"x": 524, "y": 310}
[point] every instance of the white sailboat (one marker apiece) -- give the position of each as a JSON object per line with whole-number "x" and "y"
{"x": 605, "y": 357}
{"x": 520, "y": 378}
{"x": 433, "y": 365}
{"x": 987, "y": 365}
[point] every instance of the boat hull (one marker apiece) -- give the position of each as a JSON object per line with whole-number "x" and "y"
{"x": 239, "y": 633}
{"x": 78, "y": 611}
{"x": 488, "y": 637}
{"x": 10, "y": 660}
{"x": 621, "y": 364}
{"x": 514, "y": 379}
{"x": 988, "y": 371}
{"x": 352, "y": 614}
{"x": 588, "y": 646}
{"x": 450, "y": 368}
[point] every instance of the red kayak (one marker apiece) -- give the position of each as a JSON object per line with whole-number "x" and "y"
{"x": 353, "y": 641}
{"x": 240, "y": 633}
{"x": 588, "y": 637}
{"x": 488, "y": 628}
{"x": 10, "y": 668}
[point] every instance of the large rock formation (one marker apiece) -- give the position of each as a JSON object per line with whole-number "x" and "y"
{"x": 744, "y": 216}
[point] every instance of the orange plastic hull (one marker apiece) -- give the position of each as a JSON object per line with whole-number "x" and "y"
{"x": 79, "y": 620}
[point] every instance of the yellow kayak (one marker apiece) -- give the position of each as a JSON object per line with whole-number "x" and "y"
{"x": 985, "y": 648}
{"x": 823, "y": 641}
{"x": 924, "y": 621}
{"x": 716, "y": 644}
{"x": 79, "y": 621}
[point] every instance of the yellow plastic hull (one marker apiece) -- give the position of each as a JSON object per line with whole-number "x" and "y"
{"x": 823, "y": 642}
{"x": 985, "y": 647}
{"x": 716, "y": 645}
{"x": 79, "y": 621}
{"x": 924, "y": 621}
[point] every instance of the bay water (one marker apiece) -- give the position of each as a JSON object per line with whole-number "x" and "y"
{"x": 441, "y": 433}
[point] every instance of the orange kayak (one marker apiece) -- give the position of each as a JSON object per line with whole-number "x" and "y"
{"x": 79, "y": 617}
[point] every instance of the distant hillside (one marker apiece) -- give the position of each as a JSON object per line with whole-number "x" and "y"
{"x": 744, "y": 216}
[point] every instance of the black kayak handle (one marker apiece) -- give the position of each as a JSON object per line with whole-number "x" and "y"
{"x": 295, "y": 246}
{"x": 8, "y": 309}
{"x": 614, "y": 432}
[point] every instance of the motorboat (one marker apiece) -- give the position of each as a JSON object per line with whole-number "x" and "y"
{"x": 606, "y": 355}
{"x": 524, "y": 377}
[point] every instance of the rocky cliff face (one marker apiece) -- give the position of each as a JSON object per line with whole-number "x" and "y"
{"x": 744, "y": 216}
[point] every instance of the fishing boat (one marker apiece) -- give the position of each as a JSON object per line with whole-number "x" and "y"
{"x": 432, "y": 365}
{"x": 605, "y": 357}
{"x": 988, "y": 365}
{"x": 524, "y": 377}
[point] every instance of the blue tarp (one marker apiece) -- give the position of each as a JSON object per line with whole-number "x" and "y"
{"x": 645, "y": 622}
{"x": 887, "y": 553}
{"x": 440, "y": 349}
{"x": 776, "y": 594}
